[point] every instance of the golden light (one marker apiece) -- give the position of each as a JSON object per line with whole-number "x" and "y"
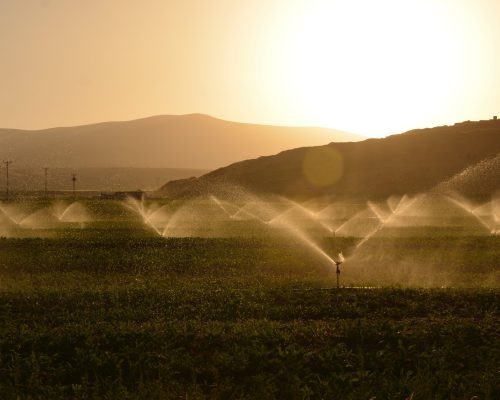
{"x": 372, "y": 66}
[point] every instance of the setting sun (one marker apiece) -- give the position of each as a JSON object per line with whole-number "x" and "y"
{"x": 368, "y": 66}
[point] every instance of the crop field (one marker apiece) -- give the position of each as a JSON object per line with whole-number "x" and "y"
{"x": 129, "y": 300}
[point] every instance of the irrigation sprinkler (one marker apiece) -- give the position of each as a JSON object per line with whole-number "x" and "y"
{"x": 338, "y": 262}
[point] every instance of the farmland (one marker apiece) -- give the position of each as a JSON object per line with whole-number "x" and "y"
{"x": 101, "y": 307}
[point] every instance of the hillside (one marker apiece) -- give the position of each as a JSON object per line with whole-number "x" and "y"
{"x": 412, "y": 162}
{"x": 183, "y": 141}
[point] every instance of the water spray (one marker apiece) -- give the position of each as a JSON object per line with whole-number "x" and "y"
{"x": 146, "y": 213}
{"x": 473, "y": 211}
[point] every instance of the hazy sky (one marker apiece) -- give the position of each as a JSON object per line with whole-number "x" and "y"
{"x": 371, "y": 67}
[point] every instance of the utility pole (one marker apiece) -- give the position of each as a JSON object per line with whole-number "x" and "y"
{"x": 45, "y": 169}
{"x": 73, "y": 179}
{"x": 7, "y": 163}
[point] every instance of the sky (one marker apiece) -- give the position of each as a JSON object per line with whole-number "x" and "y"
{"x": 369, "y": 67}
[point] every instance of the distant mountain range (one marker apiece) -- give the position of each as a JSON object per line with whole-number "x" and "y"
{"x": 412, "y": 162}
{"x": 192, "y": 141}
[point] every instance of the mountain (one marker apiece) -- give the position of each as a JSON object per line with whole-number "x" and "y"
{"x": 411, "y": 162}
{"x": 168, "y": 141}
{"x": 93, "y": 179}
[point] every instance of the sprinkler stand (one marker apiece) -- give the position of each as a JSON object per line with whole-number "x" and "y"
{"x": 337, "y": 264}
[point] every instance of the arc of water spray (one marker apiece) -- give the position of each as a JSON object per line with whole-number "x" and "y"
{"x": 283, "y": 214}
{"x": 179, "y": 212}
{"x": 295, "y": 205}
{"x": 308, "y": 241}
{"x": 14, "y": 221}
{"x": 324, "y": 210}
{"x": 294, "y": 230}
{"x": 381, "y": 216}
{"x": 221, "y": 205}
{"x": 25, "y": 218}
{"x": 171, "y": 221}
{"x": 141, "y": 210}
{"x": 244, "y": 210}
{"x": 240, "y": 210}
{"x": 167, "y": 227}
{"x": 359, "y": 214}
{"x": 312, "y": 214}
{"x": 383, "y": 222}
{"x": 60, "y": 216}
{"x": 344, "y": 224}
{"x": 472, "y": 211}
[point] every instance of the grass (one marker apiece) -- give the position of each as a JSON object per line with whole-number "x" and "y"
{"x": 114, "y": 312}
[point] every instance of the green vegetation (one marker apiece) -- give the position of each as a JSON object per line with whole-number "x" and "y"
{"x": 113, "y": 311}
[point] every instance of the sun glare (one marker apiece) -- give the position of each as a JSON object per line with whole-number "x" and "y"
{"x": 369, "y": 67}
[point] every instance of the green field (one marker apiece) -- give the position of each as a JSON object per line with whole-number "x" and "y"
{"x": 107, "y": 308}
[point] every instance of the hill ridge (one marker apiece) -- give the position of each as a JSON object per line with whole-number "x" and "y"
{"x": 162, "y": 141}
{"x": 411, "y": 162}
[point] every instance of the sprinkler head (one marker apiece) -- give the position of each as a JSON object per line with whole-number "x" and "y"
{"x": 340, "y": 259}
